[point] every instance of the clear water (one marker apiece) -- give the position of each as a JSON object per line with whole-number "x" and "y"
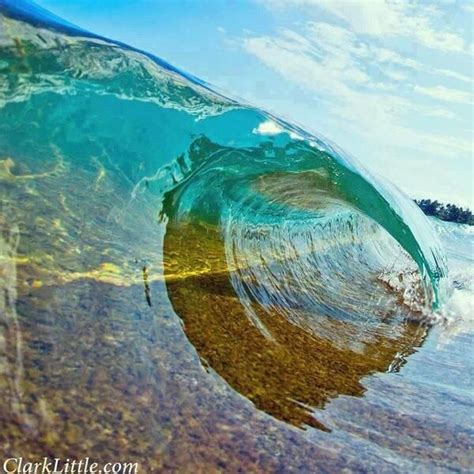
{"x": 191, "y": 283}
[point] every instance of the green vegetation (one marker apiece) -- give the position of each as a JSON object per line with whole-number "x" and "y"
{"x": 446, "y": 212}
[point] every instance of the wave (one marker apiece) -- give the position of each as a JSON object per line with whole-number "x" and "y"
{"x": 290, "y": 264}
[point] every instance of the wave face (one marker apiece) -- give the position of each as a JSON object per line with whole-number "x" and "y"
{"x": 263, "y": 172}
{"x": 294, "y": 271}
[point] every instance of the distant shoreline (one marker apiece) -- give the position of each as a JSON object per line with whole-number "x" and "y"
{"x": 446, "y": 212}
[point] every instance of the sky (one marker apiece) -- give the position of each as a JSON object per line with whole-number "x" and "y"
{"x": 391, "y": 82}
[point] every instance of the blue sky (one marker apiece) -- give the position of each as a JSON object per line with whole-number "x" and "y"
{"x": 389, "y": 81}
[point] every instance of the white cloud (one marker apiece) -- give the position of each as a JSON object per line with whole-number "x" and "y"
{"x": 384, "y": 18}
{"x": 395, "y": 75}
{"x": 445, "y": 94}
{"x": 347, "y": 73}
{"x": 269, "y": 128}
{"x": 453, "y": 74}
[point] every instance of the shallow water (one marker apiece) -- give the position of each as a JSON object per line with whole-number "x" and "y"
{"x": 192, "y": 284}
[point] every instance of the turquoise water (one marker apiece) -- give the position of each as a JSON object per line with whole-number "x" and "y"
{"x": 190, "y": 282}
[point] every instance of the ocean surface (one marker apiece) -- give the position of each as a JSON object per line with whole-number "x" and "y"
{"x": 193, "y": 284}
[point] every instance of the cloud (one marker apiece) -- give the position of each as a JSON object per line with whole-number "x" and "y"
{"x": 365, "y": 87}
{"x": 453, "y": 74}
{"x": 381, "y": 18}
{"x": 446, "y": 94}
{"x": 468, "y": 8}
{"x": 269, "y": 128}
